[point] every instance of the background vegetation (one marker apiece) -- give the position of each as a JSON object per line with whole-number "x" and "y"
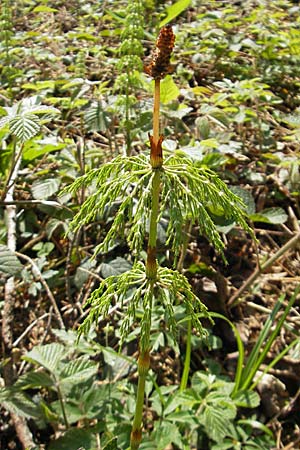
{"x": 73, "y": 96}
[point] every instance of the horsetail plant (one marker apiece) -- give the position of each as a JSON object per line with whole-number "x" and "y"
{"x": 130, "y": 65}
{"x": 145, "y": 187}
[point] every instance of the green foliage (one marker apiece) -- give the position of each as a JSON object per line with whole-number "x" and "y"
{"x": 174, "y": 10}
{"x": 188, "y": 193}
{"x": 25, "y": 118}
{"x": 263, "y": 344}
{"x": 9, "y": 263}
{"x": 130, "y": 66}
{"x": 230, "y": 107}
{"x": 72, "y": 382}
{"x": 132, "y": 290}
{"x": 207, "y": 410}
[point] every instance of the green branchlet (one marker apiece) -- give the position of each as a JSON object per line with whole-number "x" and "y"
{"x": 188, "y": 192}
{"x": 132, "y": 291}
{"x": 130, "y": 66}
{"x": 128, "y": 181}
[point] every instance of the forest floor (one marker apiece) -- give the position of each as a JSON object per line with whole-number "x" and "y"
{"x": 231, "y": 104}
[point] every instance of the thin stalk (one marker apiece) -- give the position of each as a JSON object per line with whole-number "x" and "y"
{"x": 251, "y": 365}
{"x": 187, "y": 361}
{"x": 62, "y": 405}
{"x": 151, "y": 267}
{"x": 154, "y": 209}
{"x": 270, "y": 340}
{"x": 156, "y": 106}
{"x": 143, "y": 367}
{"x": 188, "y": 349}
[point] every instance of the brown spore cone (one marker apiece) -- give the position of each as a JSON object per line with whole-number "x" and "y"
{"x": 159, "y": 65}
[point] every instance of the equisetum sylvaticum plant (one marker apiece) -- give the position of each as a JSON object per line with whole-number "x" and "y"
{"x": 145, "y": 187}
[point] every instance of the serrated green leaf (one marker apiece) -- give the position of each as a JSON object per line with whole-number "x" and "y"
{"x": 48, "y": 356}
{"x": 216, "y": 420}
{"x": 96, "y": 118}
{"x": 77, "y": 371}
{"x": 21, "y": 404}
{"x": 115, "y": 267}
{"x": 9, "y": 263}
{"x": 174, "y": 11}
{"x": 75, "y": 439}
{"x": 165, "y": 434}
{"x": 4, "y": 121}
{"x": 33, "y": 380}
{"x": 247, "y": 399}
{"x": 24, "y": 127}
{"x": 270, "y": 215}
{"x": 42, "y": 189}
{"x": 247, "y": 198}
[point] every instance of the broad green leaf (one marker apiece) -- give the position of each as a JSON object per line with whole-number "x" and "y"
{"x": 42, "y": 189}
{"x": 203, "y": 127}
{"x": 222, "y": 399}
{"x": 74, "y": 82}
{"x": 32, "y": 152}
{"x": 247, "y": 198}
{"x": 40, "y": 85}
{"x": 174, "y": 11}
{"x": 41, "y": 109}
{"x": 96, "y": 118}
{"x": 187, "y": 417}
{"x": 165, "y": 434}
{"x": 111, "y": 445}
{"x": 84, "y": 36}
{"x": 24, "y": 127}
{"x": 44, "y": 9}
{"x": 216, "y": 421}
{"x": 48, "y": 356}
{"x": 74, "y": 439}
{"x": 270, "y": 215}
{"x": 77, "y": 371}
{"x": 115, "y": 267}
{"x": 255, "y": 424}
{"x": 19, "y": 403}
{"x": 168, "y": 90}
{"x": 247, "y": 399}
{"x": 73, "y": 409}
{"x": 4, "y": 121}
{"x": 33, "y": 380}
{"x": 9, "y": 263}
{"x": 209, "y": 143}
{"x": 84, "y": 272}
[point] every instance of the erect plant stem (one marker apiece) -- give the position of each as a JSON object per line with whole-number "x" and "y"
{"x": 156, "y": 106}
{"x": 156, "y": 157}
{"x": 151, "y": 264}
{"x": 156, "y": 161}
{"x": 143, "y": 367}
{"x": 187, "y": 361}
